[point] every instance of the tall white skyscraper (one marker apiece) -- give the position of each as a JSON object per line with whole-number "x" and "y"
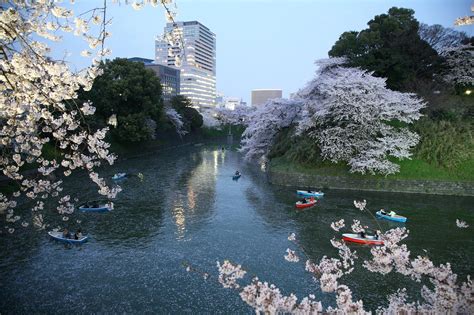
{"x": 198, "y": 65}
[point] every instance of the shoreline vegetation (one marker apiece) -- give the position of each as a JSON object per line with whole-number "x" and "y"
{"x": 414, "y": 169}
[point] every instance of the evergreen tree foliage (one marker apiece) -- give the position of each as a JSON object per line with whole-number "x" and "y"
{"x": 391, "y": 47}
{"x": 131, "y": 92}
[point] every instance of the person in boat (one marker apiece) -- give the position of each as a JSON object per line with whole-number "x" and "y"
{"x": 377, "y": 234}
{"x": 362, "y": 234}
{"x": 304, "y": 200}
{"x": 78, "y": 234}
{"x": 392, "y": 213}
{"x": 95, "y": 205}
{"x": 311, "y": 199}
{"x": 237, "y": 173}
{"x": 66, "y": 233}
{"x": 382, "y": 211}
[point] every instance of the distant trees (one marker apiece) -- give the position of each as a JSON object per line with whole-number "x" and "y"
{"x": 441, "y": 38}
{"x": 130, "y": 92}
{"x": 390, "y": 47}
{"x": 460, "y": 65}
{"x": 238, "y": 116}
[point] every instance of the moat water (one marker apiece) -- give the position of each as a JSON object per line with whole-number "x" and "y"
{"x": 188, "y": 209}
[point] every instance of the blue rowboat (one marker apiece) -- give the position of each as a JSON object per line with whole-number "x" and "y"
{"x": 119, "y": 176}
{"x": 236, "y": 177}
{"x": 392, "y": 217}
{"x": 99, "y": 208}
{"x": 306, "y": 193}
{"x": 59, "y": 237}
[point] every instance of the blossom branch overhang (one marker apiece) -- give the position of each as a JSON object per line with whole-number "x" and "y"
{"x": 38, "y": 104}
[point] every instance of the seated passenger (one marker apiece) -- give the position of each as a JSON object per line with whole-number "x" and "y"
{"x": 78, "y": 234}
{"x": 362, "y": 234}
{"x": 392, "y": 213}
{"x": 382, "y": 211}
{"x": 66, "y": 233}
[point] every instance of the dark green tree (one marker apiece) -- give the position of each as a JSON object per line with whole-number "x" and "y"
{"x": 392, "y": 48}
{"x": 192, "y": 119}
{"x": 131, "y": 92}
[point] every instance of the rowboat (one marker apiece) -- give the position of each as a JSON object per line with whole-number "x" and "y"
{"x": 392, "y": 216}
{"x": 59, "y": 236}
{"x": 310, "y": 193}
{"x": 307, "y": 204}
{"x": 119, "y": 176}
{"x": 236, "y": 177}
{"x": 98, "y": 208}
{"x": 356, "y": 238}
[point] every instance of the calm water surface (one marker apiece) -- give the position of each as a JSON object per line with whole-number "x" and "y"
{"x": 188, "y": 209}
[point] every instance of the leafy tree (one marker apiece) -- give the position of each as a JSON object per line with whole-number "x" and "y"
{"x": 391, "y": 47}
{"x": 192, "y": 119}
{"x": 131, "y": 92}
{"x": 441, "y": 38}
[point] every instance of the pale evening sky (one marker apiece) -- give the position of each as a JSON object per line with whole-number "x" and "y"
{"x": 262, "y": 43}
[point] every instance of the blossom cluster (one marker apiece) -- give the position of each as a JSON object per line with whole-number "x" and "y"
{"x": 445, "y": 295}
{"x": 39, "y": 106}
{"x": 264, "y": 123}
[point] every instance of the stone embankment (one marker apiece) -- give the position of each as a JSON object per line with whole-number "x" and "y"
{"x": 371, "y": 184}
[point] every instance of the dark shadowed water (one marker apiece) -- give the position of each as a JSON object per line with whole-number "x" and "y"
{"x": 188, "y": 209}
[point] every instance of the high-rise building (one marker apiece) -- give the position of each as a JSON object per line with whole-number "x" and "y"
{"x": 169, "y": 77}
{"x": 198, "y": 66}
{"x": 259, "y": 97}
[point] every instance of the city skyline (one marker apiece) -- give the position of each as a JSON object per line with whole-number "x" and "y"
{"x": 261, "y": 44}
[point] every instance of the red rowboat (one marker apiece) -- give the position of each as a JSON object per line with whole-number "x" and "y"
{"x": 308, "y": 204}
{"x": 356, "y": 238}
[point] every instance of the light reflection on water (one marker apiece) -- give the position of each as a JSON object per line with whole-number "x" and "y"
{"x": 188, "y": 209}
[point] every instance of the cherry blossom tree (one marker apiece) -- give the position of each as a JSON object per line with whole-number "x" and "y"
{"x": 264, "y": 124}
{"x": 460, "y": 62}
{"x": 353, "y": 117}
{"x": 237, "y": 116}
{"x": 176, "y": 120}
{"x": 38, "y": 104}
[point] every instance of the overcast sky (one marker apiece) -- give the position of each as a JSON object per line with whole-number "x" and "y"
{"x": 260, "y": 43}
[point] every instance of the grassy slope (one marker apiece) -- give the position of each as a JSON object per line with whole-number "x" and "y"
{"x": 409, "y": 169}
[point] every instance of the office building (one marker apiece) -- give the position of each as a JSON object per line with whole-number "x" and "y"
{"x": 198, "y": 64}
{"x": 260, "y": 97}
{"x": 169, "y": 77}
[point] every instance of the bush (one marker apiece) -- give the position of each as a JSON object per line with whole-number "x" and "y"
{"x": 445, "y": 143}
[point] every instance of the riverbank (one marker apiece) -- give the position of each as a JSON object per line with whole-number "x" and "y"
{"x": 280, "y": 172}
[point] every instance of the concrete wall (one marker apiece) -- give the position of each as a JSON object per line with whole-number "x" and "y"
{"x": 377, "y": 184}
